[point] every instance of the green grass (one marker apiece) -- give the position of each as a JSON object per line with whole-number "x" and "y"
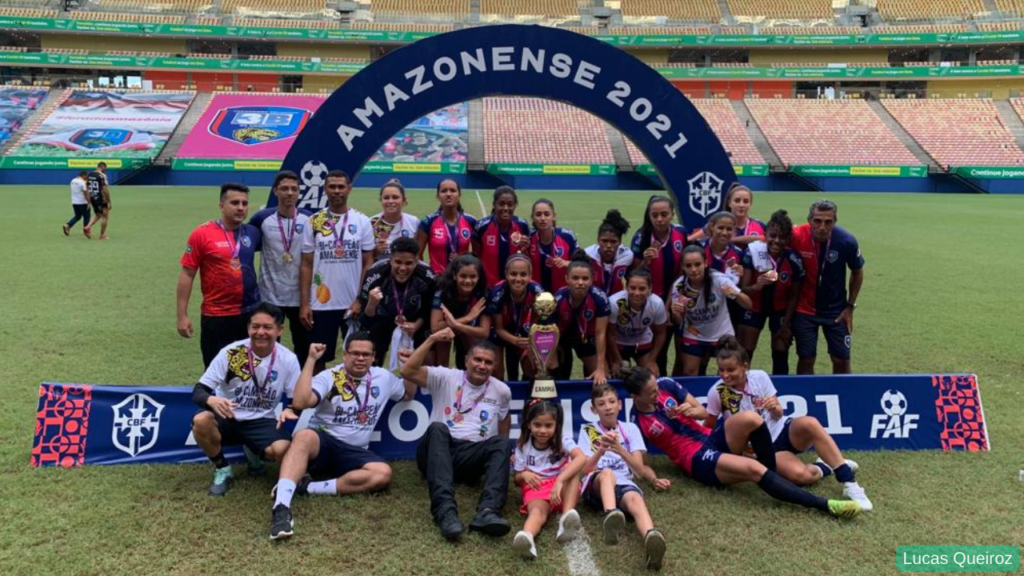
{"x": 941, "y": 294}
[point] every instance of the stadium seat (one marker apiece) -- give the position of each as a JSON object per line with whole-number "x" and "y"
{"x": 781, "y": 9}
{"x": 552, "y": 8}
{"x": 1015, "y": 7}
{"x": 284, "y": 23}
{"x": 843, "y": 132}
{"x": 726, "y": 125}
{"x": 1000, "y": 26}
{"x": 407, "y": 8}
{"x": 929, "y": 9}
{"x": 958, "y": 132}
{"x": 660, "y": 30}
{"x": 154, "y": 5}
{"x": 132, "y": 17}
{"x": 536, "y": 131}
{"x": 27, "y": 12}
{"x": 689, "y": 10}
{"x": 921, "y": 29}
{"x": 817, "y": 30}
{"x": 273, "y": 6}
{"x": 402, "y": 27}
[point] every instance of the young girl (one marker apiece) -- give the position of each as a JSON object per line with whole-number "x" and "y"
{"x": 719, "y": 251}
{"x": 741, "y": 389}
{"x": 610, "y": 259}
{"x": 773, "y": 292}
{"x": 699, "y": 312}
{"x": 637, "y": 325}
{"x": 446, "y": 233}
{"x": 510, "y": 307}
{"x": 582, "y": 318}
{"x": 550, "y": 247}
{"x": 547, "y": 470}
{"x": 392, "y": 223}
{"x": 459, "y": 304}
{"x": 616, "y": 452}
{"x": 667, "y": 415}
{"x": 501, "y": 234}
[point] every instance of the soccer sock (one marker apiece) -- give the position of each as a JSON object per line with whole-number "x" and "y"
{"x": 285, "y": 491}
{"x": 781, "y": 489}
{"x": 845, "y": 474}
{"x": 218, "y": 460}
{"x": 826, "y": 470}
{"x": 750, "y": 356}
{"x": 780, "y": 362}
{"x": 761, "y": 441}
{"x": 327, "y": 487}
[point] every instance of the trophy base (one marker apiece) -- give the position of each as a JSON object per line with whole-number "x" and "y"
{"x": 544, "y": 389}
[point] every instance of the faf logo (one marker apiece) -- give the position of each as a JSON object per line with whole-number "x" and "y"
{"x": 705, "y": 193}
{"x": 136, "y": 424}
{"x": 314, "y": 176}
{"x": 895, "y": 422}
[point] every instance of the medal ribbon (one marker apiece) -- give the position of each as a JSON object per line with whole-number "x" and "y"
{"x": 354, "y": 389}
{"x": 339, "y": 241}
{"x": 458, "y": 395}
{"x": 623, "y": 439}
{"x": 252, "y": 370}
{"x": 233, "y": 246}
{"x": 286, "y": 242}
{"x": 399, "y": 298}
{"x": 823, "y": 260}
{"x": 517, "y": 311}
{"x": 453, "y": 237}
{"x": 581, "y": 315}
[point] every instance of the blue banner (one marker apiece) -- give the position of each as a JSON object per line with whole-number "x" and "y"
{"x": 79, "y": 424}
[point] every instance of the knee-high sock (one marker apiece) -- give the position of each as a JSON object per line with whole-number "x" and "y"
{"x": 781, "y": 489}
{"x": 780, "y": 363}
{"x": 761, "y": 440}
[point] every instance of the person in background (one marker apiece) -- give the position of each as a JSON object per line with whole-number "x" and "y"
{"x": 551, "y": 247}
{"x": 79, "y": 202}
{"x": 99, "y": 197}
{"x": 447, "y": 233}
{"x": 500, "y": 235}
{"x": 738, "y": 201}
{"x": 392, "y": 223}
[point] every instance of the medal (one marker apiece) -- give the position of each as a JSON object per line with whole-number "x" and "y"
{"x": 399, "y": 302}
{"x": 459, "y": 412}
{"x": 286, "y": 242}
{"x": 236, "y": 264}
{"x": 362, "y": 417}
{"x": 516, "y": 237}
{"x": 252, "y": 371}
{"x": 362, "y": 414}
{"x": 339, "y": 240}
{"x": 339, "y": 252}
{"x": 399, "y": 320}
{"x": 233, "y": 247}
{"x": 457, "y": 418}
{"x": 287, "y": 257}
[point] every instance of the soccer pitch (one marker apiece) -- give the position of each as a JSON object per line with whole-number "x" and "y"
{"x": 941, "y": 294}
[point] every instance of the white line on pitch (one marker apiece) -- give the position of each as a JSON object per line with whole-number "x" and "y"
{"x": 581, "y": 560}
{"x": 483, "y": 210}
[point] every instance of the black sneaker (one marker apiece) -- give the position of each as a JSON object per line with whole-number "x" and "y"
{"x": 281, "y": 523}
{"x": 488, "y": 522}
{"x": 302, "y": 488}
{"x": 451, "y": 527}
{"x": 654, "y": 549}
{"x": 67, "y": 230}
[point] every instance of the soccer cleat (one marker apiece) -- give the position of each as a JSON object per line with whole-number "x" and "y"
{"x": 488, "y": 522}
{"x": 654, "y": 549}
{"x": 222, "y": 478}
{"x": 257, "y": 467}
{"x": 281, "y": 524}
{"x": 854, "y": 492}
{"x": 67, "y": 230}
{"x": 613, "y": 524}
{"x": 451, "y": 527}
{"x": 88, "y": 232}
{"x": 524, "y": 545}
{"x": 843, "y": 508}
{"x": 568, "y": 527}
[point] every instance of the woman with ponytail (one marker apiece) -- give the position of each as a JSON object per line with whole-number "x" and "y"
{"x": 610, "y": 259}
{"x": 448, "y": 232}
{"x": 638, "y": 324}
{"x": 510, "y": 307}
{"x": 550, "y": 246}
{"x": 392, "y": 223}
{"x": 582, "y": 317}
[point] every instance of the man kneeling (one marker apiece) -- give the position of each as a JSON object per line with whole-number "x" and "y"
{"x": 349, "y": 400}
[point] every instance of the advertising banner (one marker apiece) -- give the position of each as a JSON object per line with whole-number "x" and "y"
{"x": 16, "y": 104}
{"x": 740, "y": 169}
{"x": 79, "y": 424}
{"x": 991, "y": 172}
{"x": 93, "y": 125}
{"x": 553, "y": 169}
{"x": 877, "y": 171}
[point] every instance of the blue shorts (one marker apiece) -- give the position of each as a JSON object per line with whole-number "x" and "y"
{"x": 805, "y": 330}
{"x": 327, "y": 324}
{"x": 592, "y": 496}
{"x": 257, "y": 434}
{"x": 580, "y": 348}
{"x": 717, "y": 439}
{"x": 782, "y": 443}
{"x": 337, "y": 458}
{"x": 757, "y": 320}
{"x": 697, "y": 348}
{"x": 703, "y": 465}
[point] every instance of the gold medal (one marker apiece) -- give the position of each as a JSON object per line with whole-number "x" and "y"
{"x": 287, "y": 257}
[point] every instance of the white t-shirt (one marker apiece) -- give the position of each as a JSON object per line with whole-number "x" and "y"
{"x": 338, "y": 407}
{"x": 279, "y": 280}
{"x": 629, "y": 437}
{"x": 481, "y": 409}
{"x": 632, "y": 327}
{"x": 724, "y": 401}
{"x": 78, "y": 191}
{"x": 706, "y": 321}
{"x": 406, "y": 228}
{"x": 229, "y": 376}
{"x": 538, "y": 461}
{"x": 337, "y": 271}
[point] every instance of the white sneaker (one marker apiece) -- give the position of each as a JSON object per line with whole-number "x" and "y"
{"x": 524, "y": 545}
{"x": 568, "y": 526}
{"x": 854, "y": 492}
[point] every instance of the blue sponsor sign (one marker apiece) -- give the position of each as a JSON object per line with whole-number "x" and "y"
{"x": 78, "y": 424}
{"x": 251, "y": 125}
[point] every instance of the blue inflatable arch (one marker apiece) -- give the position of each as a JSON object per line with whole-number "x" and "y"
{"x": 516, "y": 60}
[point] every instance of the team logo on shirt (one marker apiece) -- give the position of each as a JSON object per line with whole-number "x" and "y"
{"x": 465, "y": 233}
{"x": 136, "y": 424}
{"x": 490, "y": 241}
{"x": 188, "y": 249}
{"x": 832, "y": 256}
{"x": 299, "y": 227}
{"x": 246, "y": 241}
{"x": 351, "y": 228}
{"x": 593, "y": 434}
{"x": 340, "y": 386}
{"x": 624, "y": 312}
{"x": 588, "y": 314}
{"x": 678, "y": 245}
{"x": 406, "y": 234}
{"x": 322, "y": 224}
{"x": 375, "y": 391}
{"x": 784, "y": 277}
{"x": 730, "y": 399}
{"x": 558, "y": 251}
{"x": 238, "y": 363}
{"x": 655, "y": 429}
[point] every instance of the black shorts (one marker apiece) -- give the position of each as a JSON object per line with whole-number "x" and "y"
{"x": 99, "y": 207}
{"x": 805, "y": 331}
{"x": 256, "y": 434}
{"x": 782, "y": 443}
{"x": 757, "y": 320}
{"x": 336, "y": 458}
{"x": 704, "y": 465}
{"x": 580, "y": 348}
{"x": 592, "y": 495}
{"x": 634, "y": 352}
{"x": 216, "y": 332}
{"x": 327, "y": 324}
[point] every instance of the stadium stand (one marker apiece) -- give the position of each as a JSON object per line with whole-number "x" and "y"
{"x": 921, "y": 29}
{"x": 531, "y": 131}
{"x": 410, "y": 8}
{"x": 273, "y": 6}
{"x": 822, "y": 30}
{"x": 958, "y": 132}
{"x": 1018, "y": 106}
{"x": 155, "y": 5}
{"x": 844, "y": 132}
{"x": 55, "y": 99}
{"x": 929, "y": 9}
{"x": 690, "y": 10}
{"x": 284, "y": 23}
{"x": 664, "y": 31}
{"x": 550, "y": 8}
{"x": 126, "y": 17}
{"x": 18, "y": 12}
{"x": 756, "y": 10}
{"x": 999, "y": 26}
{"x": 726, "y": 125}
{"x": 402, "y": 27}
{"x": 1014, "y": 7}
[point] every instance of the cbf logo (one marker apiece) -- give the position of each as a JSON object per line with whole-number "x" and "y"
{"x": 705, "y": 193}
{"x": 314, "y": 176}
{"x": 895, "y": 422}
{"x": 136, "y": 424}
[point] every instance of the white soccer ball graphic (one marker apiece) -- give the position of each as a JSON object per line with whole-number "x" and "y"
{"x": 894, "y": 403}
{"x": 314, "y": 174}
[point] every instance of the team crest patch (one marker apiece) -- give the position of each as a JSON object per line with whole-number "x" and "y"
{"x": 100, "y": 138}
{"x": 465, "y": 233}
{"x": 485, "y": 415}
{"x": 273, "y": 375}
{"x": 588, "y": 314}
{"x": 678, "y": 245}
{"x": 375, "y": 391}
{"x": 558, "y": 251}
{"x": 299, "y": 227}
{"x": 351, "y": 228}
{"x": 833, "y": 255}
{"x": 253, "y": 125}
{"x": 784, "y": 277}
{"x": 490, "y": 240}
{"x": 646, "y": 321}
{"x": 848, "y": 340}
{"x": 406, "y": 234}
{"x": 188, "y": 249}
{"x": 246, "y": 242}
{"x": 593, "y": 434}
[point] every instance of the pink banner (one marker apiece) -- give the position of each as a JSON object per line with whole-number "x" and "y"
{"x": 249, "y": 126}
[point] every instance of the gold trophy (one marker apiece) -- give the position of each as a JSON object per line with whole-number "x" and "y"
{"x": 543, "y": 343}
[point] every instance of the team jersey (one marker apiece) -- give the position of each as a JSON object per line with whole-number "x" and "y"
{"x": 348, "y": 410}
{"x": 337, "y": 243}
{"x": 471, "y": 412}
{"x": 279, "y": 274}
{"x": 579, "y": 323}
{"x": 629, "y": 437}
{"x": 705, "y": 321}
{"x": 825, "y": 263}
{"x": 634, "y": 327}
{"x": 445, "y": 241}
{"x": 230, "y": 376}
{"x": 543, "y": 462}
{"x": 78, "y": 187}
{"x": 458, "y": 308}
{"x": 754, "y": 227}
{"x": 680, "y": 437}
{"x": 405, "y": 228}
{"x": 720, "y": 262}
{"x": 775, "y": 296}
{"x": 610, "y": 276}
{"x": 724, "y": 401}
{"x": 95, "y": 183}
{"x": 412, "y": 300}
{"x": 227, "y": 291}
{"x": 493, "y": 247}
{"x": 544, "y": 272}
{"x": 666, "y": 267}
{"x": 516, "y": 318}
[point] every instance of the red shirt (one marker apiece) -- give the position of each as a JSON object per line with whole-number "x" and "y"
{"x": 493, "y": 247}
{"x": 445, "y": 242}
{"x": 226, "y": 291}
{"x": 544, "y": 273}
